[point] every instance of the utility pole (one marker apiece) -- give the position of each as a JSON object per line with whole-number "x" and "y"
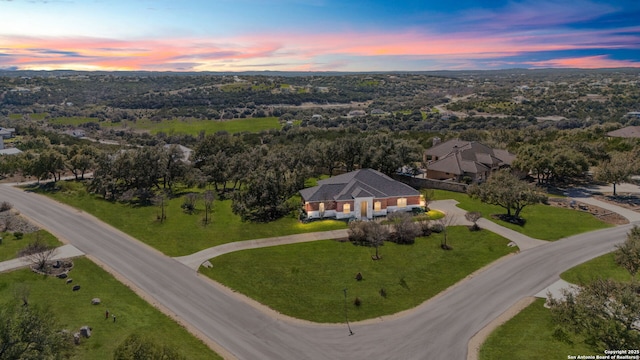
{"x": 345, "y": 311}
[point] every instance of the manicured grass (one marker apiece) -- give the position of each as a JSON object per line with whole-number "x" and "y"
{"x": 10, "y": 245}
{"x": 183, "y": 234}
{"x": 73, "y": 120}
{"x": 307, "y": 280}
{"x": 15, "y": 116}
{"x": 543, "y": 222}
{"x": 73, "y": 309}
{"x": 529, "y": 335}
{"x": 602, "y": 267}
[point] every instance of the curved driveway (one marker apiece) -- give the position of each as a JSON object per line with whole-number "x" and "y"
{"x": 438, "y": 329}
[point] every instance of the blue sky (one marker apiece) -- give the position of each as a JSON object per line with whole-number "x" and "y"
{"x": 317, "y": 35}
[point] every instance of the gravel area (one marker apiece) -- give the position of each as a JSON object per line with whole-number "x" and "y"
{"x": 12, "y": 221}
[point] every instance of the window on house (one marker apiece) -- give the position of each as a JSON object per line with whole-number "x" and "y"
{"x": 346, "y": 208}
{"x": 377, "y": 206}
{"x": 402, "y": 202}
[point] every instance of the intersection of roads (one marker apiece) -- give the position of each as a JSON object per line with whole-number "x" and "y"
{"x": 438, "y": 329}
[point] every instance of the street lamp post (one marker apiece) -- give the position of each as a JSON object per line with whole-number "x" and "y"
{"x": 345, "y": 312}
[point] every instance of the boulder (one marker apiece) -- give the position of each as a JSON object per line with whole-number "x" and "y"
{"x": 85, "y": 331}
{"x": 95, "y": 301}
{"x": 62, "y": 276}
{"x": 69, "y": 281}
{"x": 76, "y": 288}
{"x": 76, "y": 338}
{"x": 207, "y": 264}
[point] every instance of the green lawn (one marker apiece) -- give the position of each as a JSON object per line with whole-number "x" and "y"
{"x": 307, "y": 280}
{"x": 183, "y": 234}
{"x": 177, "y": 126}
{"x": 529, "y": 335}
{"x": 543, "y": 222}
{"x": 10, "y": 245}
{"x": 73, "y": 309}
{"x": 73, "y": 120}
{"x": 602, "y": 267}
{"x": 195, "y": 126}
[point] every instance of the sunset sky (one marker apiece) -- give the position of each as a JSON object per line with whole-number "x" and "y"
{"x": 317, "y": 35}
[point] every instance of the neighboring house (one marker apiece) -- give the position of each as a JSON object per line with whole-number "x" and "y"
{"x": 7, "y": 133}
{"x": 360, "y": 194}
{"x": 354, "y": 113}
{"x": 626, "y": 132}
{"x": 7, "y": 151}
{"x": 457, "y": 159}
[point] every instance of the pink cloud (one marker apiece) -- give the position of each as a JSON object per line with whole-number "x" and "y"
{"x": 586, "y": 62}
{"x": 298, "y": 51}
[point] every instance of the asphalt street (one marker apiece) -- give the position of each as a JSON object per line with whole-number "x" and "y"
{"x": 438, "y": 329}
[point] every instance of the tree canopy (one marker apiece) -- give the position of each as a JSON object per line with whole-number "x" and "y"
{"x": 507, "y": 191}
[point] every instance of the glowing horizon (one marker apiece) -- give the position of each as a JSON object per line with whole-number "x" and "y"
{"x": 419, "y": 36}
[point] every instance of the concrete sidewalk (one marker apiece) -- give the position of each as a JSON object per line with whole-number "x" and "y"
{"x": 63, "y": 252}
{"x": 194, "y": 261}
{"x": 449, "y": 207}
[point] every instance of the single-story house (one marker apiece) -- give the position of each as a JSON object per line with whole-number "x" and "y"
{"x": 8, "y": 151}
{"x": 457, "y": 159}
{"x": 7, "y": 133}
{"x": 360, "y": 194}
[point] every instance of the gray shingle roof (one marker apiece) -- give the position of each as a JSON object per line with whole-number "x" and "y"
{"x": 359, "y": 183}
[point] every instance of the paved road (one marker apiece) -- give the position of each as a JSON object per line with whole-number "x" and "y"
{"x": 438, "y": 329}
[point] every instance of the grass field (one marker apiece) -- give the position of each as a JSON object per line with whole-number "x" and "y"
{"x": 602, "y": 267}
{"x": 183, "y": 234}
{"x": 307, "y": 280}
{"x": 10, "y": 245}
{"x": 74, "y": 309}
{"x": 543, "y": 222}
{"x": 529, "y": 335}
{"x": 195, "y": 126}
{"x": 74, "y": 120}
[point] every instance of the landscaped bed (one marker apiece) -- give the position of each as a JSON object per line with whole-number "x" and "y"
{"x": 307, "y": 280}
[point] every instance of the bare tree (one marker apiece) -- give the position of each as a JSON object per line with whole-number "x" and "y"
{"x": 369, "y": 233}
{"x": 161, "y": 202}
{"x": 404, "y": 229}
{"x": 38, "y": 253}
{"x": 473, "y": 216}
{"x": 442, "y": 226}
{"x": 208, "y": 198}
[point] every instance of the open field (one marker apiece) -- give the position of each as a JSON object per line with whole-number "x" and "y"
{"x": 73, "y": 309}
{"x": 194, "y": 126}
{"x": 176, "y": 126}
{"x": 182, "y": 233}
{"x": 307, "y": 280}
{"x": 543, "y": 222}
{"x": 10, "y": 245}
{"x": 529, "y": 335}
